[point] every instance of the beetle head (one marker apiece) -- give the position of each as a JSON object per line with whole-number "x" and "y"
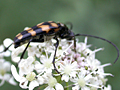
{"x": 65, "y": 32}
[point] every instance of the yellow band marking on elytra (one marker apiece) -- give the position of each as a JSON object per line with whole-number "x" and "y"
{"x": 45, "y": 28}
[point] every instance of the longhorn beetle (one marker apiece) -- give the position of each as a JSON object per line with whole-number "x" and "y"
{"x": 47, "y": 30}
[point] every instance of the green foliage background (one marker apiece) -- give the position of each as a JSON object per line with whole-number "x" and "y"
{"x": 95, "y": 17}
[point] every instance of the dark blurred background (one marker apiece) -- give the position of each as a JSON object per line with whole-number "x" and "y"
{"x": 95, "y": 17}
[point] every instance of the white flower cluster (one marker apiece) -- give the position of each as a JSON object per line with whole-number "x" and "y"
{"x": 5, "y": 66}
{"x": 78, "y": 69}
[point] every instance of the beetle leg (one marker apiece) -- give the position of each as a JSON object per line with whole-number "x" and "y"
{"x": 21, "y": 57}
{"x": 56, "y": 46}
{"x": 6, "y": 48}
{"x": 74, "y": 44}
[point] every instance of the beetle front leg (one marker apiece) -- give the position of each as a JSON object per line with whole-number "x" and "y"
{"x": 56, "y": 46}
{"x": 21, "y": 57}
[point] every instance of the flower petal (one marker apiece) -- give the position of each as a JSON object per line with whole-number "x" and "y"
{"x": 59, "y": 87}
{"x": 7, "y": 42}
{"x": 11, "y": 81}
{"x": 23, "y": 84}
{"x": 15, "y": 74}
{"x": 2, "y": 82}
{"x": 65, "y": 77}
{"x": 33, "y": 84}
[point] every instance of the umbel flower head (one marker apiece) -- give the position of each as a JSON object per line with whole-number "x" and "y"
{"x": 78, "y": 69}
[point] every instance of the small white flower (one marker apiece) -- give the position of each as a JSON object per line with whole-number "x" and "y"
{"x": 2, "y": 53}
{"x": 30, "y": 77}
{"x": 26, "y": 28}
{"x": 63, "y": 48}
{"x": 68, "y": 69}
{"x": 33, "y": 49}
{"x": 4, "y": 72}
{"x": 52, "y": 82}
{"x": 83, "y": 81}
{"x": 7, "y": 42}
{"x": 47, "y": 64}
{"x": 38, "y": 67}
{"x": 26, "y": 65}
{"x": 16, "y": 52}
{"x": 1, "y": 48}
{"x": 107, "y": 88}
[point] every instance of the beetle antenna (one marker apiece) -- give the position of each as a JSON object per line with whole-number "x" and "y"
{"x": 104, "y": 40}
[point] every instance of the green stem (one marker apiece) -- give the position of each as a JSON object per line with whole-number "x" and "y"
{"x": 67, "y": 86}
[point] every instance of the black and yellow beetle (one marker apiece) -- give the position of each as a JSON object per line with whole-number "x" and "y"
{"x": 45, "y": 31}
